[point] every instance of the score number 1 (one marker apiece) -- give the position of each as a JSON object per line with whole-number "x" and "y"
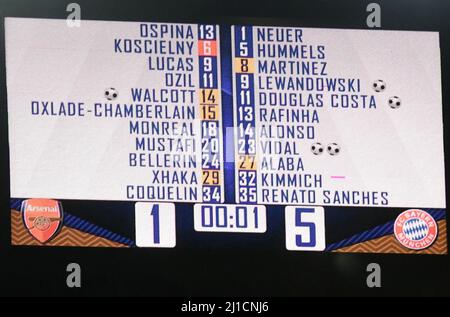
{"x": 155, "y": 225}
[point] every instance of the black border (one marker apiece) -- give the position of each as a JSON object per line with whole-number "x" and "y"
{"x": 214, "y": 272}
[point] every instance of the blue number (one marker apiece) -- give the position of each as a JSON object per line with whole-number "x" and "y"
{"x": 311, "y": 226}
{"x": 255, "y": 211}
{"x": 238, "y": 218}
{"x": 210, "y": 223}
{"x": 155, "y": 214}
{"x": 225, "y": 220}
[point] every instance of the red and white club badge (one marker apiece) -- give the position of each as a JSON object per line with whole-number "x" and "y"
{"x": 42, "y": 218}
{"x": 415, "y": 229}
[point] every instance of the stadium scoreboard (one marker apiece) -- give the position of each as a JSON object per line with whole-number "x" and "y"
{"x": 226, "y": 124}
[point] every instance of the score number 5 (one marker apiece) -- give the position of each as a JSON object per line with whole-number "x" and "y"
{"x": 155, "y": 225}
{"x": 305, "y": 228}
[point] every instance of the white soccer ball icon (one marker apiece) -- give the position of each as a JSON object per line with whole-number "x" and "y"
{"x": 394, "y": 102}
{"x": 333, "y": 149}
{"x": 111, "y": 93}
{"x": 379, "y": 85}
{"x": 317, "y": 148}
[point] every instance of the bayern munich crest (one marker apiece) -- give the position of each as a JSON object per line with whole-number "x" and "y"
{"x": 415, "y": 229}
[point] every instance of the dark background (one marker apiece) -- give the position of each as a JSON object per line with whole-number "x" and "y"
{"x": 215, "y": 270}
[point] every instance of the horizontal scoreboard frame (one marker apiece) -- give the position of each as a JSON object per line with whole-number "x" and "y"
{"x": 221, "y": 211}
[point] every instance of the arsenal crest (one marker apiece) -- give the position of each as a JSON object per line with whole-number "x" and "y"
{"x": 42, "y": 218}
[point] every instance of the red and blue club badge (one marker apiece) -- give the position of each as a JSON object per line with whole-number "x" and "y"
{"x": 415, "y": 229}
{"x": 42, "y": 218}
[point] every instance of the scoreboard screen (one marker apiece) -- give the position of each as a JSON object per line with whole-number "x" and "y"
{"x": 176, "y": 135}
